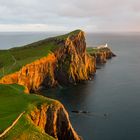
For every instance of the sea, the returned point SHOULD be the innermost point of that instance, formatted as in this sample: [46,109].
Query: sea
[111,101]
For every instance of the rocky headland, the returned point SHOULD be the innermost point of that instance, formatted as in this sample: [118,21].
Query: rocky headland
[67,61]
[101,53]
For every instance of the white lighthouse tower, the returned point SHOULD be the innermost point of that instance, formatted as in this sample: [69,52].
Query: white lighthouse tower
[106,45]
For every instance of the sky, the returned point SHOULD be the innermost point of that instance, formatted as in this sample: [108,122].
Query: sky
[66,15]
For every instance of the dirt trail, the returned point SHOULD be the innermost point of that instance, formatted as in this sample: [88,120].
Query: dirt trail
[12,125]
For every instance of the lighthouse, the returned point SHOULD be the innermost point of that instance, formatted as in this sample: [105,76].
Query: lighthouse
[106,45]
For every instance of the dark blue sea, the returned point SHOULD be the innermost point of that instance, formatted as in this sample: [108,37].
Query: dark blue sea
[112,99]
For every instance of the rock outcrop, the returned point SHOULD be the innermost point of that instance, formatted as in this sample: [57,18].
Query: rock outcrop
[54,120]
[68,64]
[102,54]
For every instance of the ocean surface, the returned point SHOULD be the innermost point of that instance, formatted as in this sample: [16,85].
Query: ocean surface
[112,98]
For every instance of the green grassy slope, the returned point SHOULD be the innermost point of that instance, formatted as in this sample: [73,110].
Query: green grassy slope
[96,50]
[13,101]
[13,59]
[91,50]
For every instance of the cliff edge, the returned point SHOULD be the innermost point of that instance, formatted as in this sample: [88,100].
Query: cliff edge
[101,53]
[67,63]
[28,116]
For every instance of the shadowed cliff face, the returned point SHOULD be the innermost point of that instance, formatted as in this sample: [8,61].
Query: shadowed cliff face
[74,64]
[54,120]
[67,64]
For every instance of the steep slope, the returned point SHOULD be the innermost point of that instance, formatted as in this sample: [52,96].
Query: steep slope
[66,63]
[44,119]
[101,53]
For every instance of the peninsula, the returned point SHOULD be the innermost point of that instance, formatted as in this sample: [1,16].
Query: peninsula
[48,63]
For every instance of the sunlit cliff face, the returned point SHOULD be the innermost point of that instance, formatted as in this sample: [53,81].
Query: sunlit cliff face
[54,120]
[66,65]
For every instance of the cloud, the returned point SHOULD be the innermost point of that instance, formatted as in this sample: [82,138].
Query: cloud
[91,15]
[31,27]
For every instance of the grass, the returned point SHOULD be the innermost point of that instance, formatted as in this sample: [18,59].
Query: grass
[14,101]
[13,59]
[24,130]
[63,37]
[92,50]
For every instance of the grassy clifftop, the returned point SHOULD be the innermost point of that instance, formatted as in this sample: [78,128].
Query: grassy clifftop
[13,101]
[13,59]
[42,118]
[101,53]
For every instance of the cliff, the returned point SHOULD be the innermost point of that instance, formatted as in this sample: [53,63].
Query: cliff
[43,118]
[101,54]
[54,120]
[67,63]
